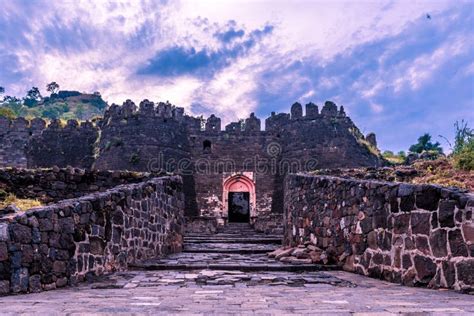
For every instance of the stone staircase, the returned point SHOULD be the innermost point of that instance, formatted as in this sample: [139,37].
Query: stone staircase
[234,247]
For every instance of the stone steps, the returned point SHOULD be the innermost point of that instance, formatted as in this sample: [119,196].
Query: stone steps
[234,267]
[235,247]
[233,241]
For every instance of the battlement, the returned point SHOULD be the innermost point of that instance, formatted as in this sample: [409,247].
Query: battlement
[146,109]
[213,124]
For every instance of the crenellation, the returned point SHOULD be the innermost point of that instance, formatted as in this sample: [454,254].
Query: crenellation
[296,111]
[329,109]
[213,124]
[147,108]
[252,124]
[312,110]
[160,137]
[275,122]
[234,127]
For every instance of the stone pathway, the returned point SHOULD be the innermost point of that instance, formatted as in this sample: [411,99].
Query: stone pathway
[229,274]
[143,292]
[235,247]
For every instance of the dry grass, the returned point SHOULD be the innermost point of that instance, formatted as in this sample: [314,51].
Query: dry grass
[22,204]
[443,172]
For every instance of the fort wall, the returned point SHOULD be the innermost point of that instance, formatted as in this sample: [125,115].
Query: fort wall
[160,137]
[416,235]
[75,240]
[55,184]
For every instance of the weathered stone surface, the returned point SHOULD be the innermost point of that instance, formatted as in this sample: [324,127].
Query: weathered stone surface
[35,284]
[3,251]
[4,287]
[42,252]
[456,243]
[401,223]
[446,213]
[20,233]
[468,231]
[422,245]
[427,197]
[425,268]
[20,280]
[413,236]
[438,242]
[466,272]
[420,223]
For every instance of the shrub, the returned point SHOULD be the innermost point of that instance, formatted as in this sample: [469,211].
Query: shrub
[464,158]
[7,112]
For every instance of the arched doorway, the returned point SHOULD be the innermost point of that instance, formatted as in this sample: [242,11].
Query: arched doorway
[239,198]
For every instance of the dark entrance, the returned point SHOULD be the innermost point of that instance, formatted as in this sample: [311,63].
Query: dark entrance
[239,207]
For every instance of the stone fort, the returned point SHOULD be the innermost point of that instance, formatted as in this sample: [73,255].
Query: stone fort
[148,182]
[240,163]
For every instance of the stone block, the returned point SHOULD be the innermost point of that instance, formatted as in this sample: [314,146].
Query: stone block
[465,272]
[401,223]
[457,244]
[20,280]
[422,244]
[427,197]
[3,251]
[468,231]
[425,269]
[4,287]
[4,236]
[35,284]
[439,242]
[20,233]
[420,223]
[406,261]
[446,213]
[407,203]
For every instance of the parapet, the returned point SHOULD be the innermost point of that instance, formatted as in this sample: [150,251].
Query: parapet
[329,109]
[312,110]
[234,127]
[252,124]
[146,109]
[296,111]
[276,121]
[213,124]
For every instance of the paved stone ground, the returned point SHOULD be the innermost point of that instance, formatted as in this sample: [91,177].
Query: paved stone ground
[140,293]
[228,274]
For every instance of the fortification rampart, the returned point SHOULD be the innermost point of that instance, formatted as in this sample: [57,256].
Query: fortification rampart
[55,184]
[74,240]
[417,235]
[155,137]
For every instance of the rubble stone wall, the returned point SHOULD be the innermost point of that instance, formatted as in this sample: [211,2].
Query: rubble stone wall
[55,184]
[419,235]
[77,239]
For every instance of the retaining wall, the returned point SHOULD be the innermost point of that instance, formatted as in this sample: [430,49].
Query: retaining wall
[55,184]
[73,240]
[419,235]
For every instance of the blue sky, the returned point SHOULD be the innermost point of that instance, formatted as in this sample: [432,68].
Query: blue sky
[400,68]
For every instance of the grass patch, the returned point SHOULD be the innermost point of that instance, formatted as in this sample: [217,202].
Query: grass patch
[22,204]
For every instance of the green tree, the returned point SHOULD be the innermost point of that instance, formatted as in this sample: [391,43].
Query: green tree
[14,104]
[52,87]
[425,144]
[33,96]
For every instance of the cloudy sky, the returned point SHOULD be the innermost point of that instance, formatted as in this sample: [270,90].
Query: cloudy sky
[400,68]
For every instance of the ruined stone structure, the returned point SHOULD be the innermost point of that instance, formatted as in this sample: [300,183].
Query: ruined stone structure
[419,235]
[76,239]
[231,174]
